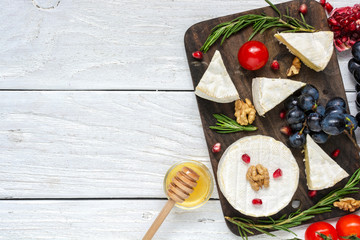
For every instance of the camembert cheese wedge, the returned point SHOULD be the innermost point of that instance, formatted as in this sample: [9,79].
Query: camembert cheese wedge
[273,155]
[321,171]
[216,84]
[269,92]
[313,49]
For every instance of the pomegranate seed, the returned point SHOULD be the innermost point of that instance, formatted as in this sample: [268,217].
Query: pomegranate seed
[286,130]
[245,158]
[257,201]
[216,148]
[332,21]
[303,8]
[328,7]
[197,55]
[312,193]
[277,173]
[275,65]
[322,2]
[282,114]
[335,153]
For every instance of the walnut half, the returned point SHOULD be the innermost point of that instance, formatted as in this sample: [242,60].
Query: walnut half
[347,204]
[295,67]
[258,176]
[244,112]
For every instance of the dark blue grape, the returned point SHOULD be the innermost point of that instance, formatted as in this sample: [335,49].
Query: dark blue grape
[319,137]
[352,65]
[320,110]
[355,50]
[336,101]
[297,140]
[295,115]
[335,109]
[333,124]
[313,122]
[290,102]
[306,131]
[310,90]
[357,75]
[357,117]
[350,122]
[306,102]
[296,126]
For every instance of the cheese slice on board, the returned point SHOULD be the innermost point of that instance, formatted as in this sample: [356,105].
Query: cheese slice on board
[273,155]
[269,92]
[313,49]
[216,84]
[321,171]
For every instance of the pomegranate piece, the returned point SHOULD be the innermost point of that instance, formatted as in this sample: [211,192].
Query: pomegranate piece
[328,7]
[286,130]
[335,153]
[312,193]
[275,65]
[277,173]
[197,55]
[245,158]
[282,114]
[303,8]
[345,23]
[257,201]
[216,148]
[322,2]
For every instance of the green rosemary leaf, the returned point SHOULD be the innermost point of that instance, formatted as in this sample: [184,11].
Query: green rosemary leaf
[274,7]
[225,124]
[303,19]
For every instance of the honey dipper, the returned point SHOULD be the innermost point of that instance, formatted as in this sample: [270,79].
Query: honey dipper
[179,189]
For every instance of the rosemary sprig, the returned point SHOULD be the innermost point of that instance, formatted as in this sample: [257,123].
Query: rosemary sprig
[228,125]
[260,23]
[284,223]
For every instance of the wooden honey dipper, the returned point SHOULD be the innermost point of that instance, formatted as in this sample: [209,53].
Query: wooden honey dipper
[179,189]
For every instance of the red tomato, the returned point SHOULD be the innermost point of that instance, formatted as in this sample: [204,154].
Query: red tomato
[348,225]
[321,227]
[253,55]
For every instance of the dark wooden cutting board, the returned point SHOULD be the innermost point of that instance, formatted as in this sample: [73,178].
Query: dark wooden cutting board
[328,82]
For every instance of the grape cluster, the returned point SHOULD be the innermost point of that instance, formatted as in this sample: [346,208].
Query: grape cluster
[305,116]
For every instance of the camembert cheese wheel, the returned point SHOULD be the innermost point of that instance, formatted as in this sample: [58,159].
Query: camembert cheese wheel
[269,92]
[273,155]
[313,49]
[321,170]
[216,84]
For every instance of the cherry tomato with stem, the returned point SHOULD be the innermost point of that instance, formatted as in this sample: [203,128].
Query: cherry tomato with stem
[253,55]
[348,225]
[325,228]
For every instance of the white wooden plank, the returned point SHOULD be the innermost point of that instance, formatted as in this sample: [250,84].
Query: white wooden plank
[100,44]
[96,144]
[115,219]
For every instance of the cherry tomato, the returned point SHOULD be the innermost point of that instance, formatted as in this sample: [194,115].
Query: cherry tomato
[253,55]
[348,225]
[321,227]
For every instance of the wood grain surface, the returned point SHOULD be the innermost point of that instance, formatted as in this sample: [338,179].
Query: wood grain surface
[328,82]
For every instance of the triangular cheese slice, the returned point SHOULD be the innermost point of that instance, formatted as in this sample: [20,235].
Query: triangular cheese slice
[269,92]
[321,171]
[216,84]
[313,49]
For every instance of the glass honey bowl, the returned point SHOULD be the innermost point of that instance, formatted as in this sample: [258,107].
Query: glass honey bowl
[202,190]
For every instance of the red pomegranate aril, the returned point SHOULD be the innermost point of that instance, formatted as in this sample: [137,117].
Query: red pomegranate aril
[257,201]
[286,130]
[332,21]
[277,173]
[282,114]
[312,193]
[216,148]
[197,55]
[335,153]
[275,65]
[322,2]
[303,8]
[245,158]
[328,7]
[352,26]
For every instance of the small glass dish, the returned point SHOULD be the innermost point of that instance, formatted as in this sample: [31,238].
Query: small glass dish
[203,189]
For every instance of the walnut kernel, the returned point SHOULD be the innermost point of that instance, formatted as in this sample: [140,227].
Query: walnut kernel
[244,112]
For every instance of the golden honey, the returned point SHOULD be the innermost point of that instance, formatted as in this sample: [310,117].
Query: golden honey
[203,189]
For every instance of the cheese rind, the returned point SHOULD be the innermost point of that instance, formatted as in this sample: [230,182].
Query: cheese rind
[216,84]
[272,154]
[321,170]
[313,49]
[269,92]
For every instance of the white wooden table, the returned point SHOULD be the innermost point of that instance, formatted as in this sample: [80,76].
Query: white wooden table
[96,104]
